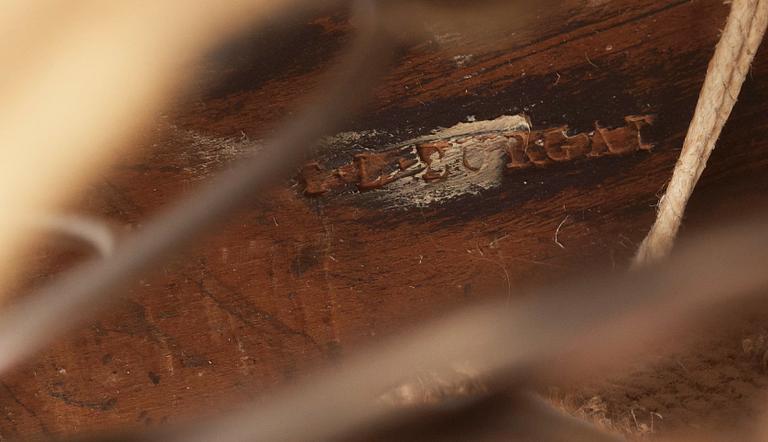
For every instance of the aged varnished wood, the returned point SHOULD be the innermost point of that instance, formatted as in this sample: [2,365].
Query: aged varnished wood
[306,274]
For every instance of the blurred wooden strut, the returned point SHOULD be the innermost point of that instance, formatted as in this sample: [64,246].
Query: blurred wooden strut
[33,322]
[80,78]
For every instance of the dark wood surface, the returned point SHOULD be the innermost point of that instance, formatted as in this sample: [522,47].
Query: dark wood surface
[297,281]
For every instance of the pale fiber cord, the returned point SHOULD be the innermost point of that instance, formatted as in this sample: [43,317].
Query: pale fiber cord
[727,71]
[45,314]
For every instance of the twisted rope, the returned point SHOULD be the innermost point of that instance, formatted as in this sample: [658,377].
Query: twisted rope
[727,70]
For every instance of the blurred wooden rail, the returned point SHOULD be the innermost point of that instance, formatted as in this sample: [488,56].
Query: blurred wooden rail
[295,282]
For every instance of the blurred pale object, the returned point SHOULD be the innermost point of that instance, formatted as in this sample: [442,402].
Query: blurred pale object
[80,77]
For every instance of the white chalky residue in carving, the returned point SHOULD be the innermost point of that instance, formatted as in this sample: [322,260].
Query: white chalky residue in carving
[204,155]
[486,156]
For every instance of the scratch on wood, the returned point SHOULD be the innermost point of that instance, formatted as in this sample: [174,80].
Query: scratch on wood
[557,232]
[26,408]
[104,405]
[248,313]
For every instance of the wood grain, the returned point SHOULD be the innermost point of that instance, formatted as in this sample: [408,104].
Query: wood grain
[295,281]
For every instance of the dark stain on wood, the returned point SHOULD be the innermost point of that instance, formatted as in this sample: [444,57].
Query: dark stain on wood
[306,259]
[154,377]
